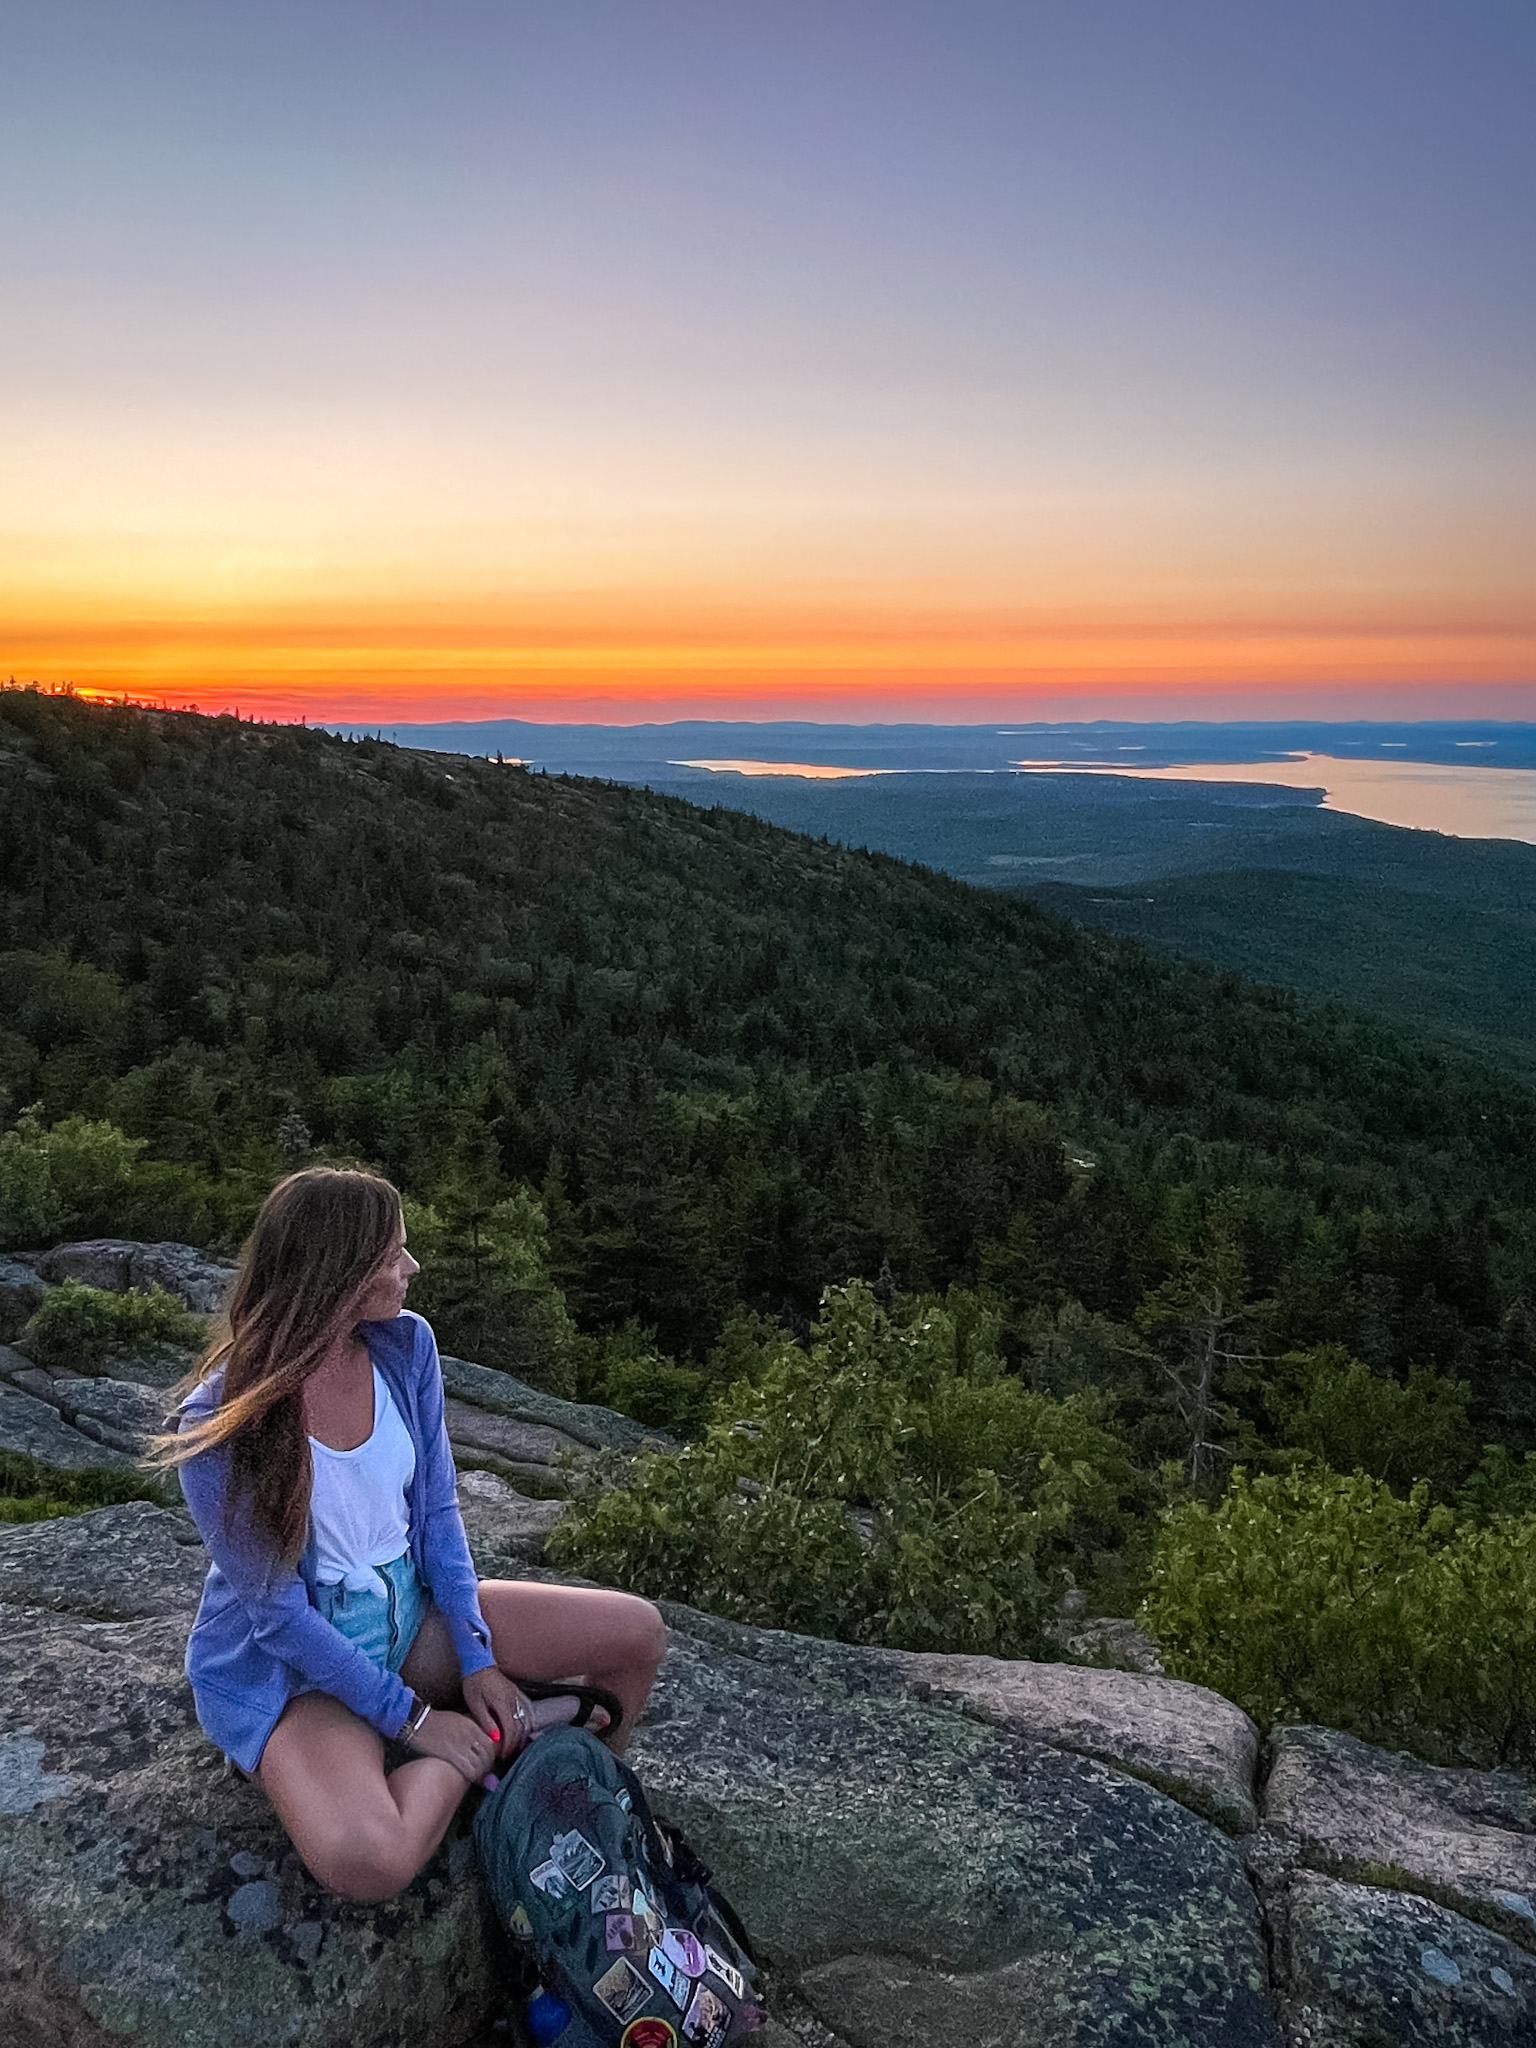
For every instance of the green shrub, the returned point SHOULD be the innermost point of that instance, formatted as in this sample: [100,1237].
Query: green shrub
[1501,1484]
[78,1326]
[31,1210]
[888,1485]
[84,1178]
[1308,1596]
[624,1369]
[1351,1419]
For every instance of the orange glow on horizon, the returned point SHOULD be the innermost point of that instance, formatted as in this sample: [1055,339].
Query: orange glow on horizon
[618,660]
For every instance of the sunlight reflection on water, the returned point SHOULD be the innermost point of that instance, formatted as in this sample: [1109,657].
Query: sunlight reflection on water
[813,771]
[1467,803]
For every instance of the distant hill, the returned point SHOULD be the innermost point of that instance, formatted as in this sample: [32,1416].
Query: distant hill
[739,1064]
[943,797]
[1445,957]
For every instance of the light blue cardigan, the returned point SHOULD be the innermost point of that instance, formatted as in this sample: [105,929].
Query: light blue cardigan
[258,1639]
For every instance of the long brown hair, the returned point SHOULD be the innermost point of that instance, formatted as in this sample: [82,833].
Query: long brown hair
[321,1236]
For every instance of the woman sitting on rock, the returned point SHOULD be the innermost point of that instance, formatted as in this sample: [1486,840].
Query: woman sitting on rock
[342,1608]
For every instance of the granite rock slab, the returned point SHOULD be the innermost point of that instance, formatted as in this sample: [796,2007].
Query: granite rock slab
[897,1862]
[116,1264]
[1371,1968]
[37,1430]
[1185,1740]
[1465,1838]
[21,1292]
[158,1899]
[522,1443]
[504,1526]
[114,1564]
[498,1393]
[120,1413]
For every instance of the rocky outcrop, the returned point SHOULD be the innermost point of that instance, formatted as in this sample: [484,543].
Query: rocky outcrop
[496,1423]
[118,1415]
[1188,1741]
[1364,1966]
[118,1564]
[39,1429]
[925,1848]
[1465,1838]
[115,1264]
[583,1426]
[956,1848]
[21,1291]
[506,1529]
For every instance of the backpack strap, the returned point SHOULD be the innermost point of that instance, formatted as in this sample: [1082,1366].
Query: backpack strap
[674,1852]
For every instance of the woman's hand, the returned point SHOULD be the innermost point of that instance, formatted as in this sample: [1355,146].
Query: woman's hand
[455,1739]
[499,1708]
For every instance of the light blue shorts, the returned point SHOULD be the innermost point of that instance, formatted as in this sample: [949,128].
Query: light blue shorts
[383,1624]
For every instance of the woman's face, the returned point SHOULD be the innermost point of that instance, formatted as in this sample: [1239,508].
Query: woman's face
[384,1296]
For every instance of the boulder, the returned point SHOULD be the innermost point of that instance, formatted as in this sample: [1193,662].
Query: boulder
[527,1450]
[498,1393]
[117,1413]
[20,1293]
[38,1430]
[96,1262]
[1465,1838]
[203,1283]
[1394,1971]
[1186,1741]
[116,1264]
[912,1874]
[115,1564]
[161,1366]
[505,1528]
[1036,1896]
[157,1898]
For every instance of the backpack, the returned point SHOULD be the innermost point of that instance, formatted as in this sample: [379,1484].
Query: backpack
[632,1945]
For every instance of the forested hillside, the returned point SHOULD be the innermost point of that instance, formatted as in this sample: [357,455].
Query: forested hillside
[734,1066]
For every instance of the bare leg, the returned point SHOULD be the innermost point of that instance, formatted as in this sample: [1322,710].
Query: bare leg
[362,1834]
[576,1632]
[366,1835]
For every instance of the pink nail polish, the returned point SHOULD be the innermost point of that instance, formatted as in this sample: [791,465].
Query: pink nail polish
[495,1734]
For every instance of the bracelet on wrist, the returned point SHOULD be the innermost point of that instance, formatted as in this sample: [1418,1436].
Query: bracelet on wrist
[414,1722]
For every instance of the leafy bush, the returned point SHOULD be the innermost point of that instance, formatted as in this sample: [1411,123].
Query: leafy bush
[624,1369]
[888,1485]
[78,1326]
[1353,1419]
[85,1178]
[30,1207]
[1308,1596]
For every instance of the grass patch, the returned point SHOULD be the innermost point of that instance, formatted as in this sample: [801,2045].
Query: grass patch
[31,1491]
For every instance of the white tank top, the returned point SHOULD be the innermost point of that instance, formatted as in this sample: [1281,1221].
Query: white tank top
[357,1508]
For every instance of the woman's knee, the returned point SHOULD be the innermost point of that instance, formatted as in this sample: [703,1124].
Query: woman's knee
[366,1861]
[639,1629]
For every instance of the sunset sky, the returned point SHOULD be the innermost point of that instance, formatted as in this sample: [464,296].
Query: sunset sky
[627,359]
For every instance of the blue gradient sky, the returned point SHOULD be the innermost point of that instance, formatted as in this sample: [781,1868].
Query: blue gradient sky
[919,358]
